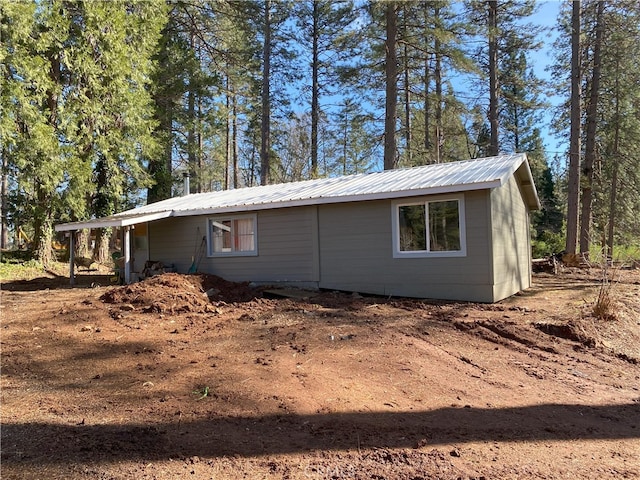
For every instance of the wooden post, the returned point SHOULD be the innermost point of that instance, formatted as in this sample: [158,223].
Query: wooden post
[72,258]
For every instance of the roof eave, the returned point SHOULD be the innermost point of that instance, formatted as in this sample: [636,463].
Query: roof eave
[113,221]
[529,186]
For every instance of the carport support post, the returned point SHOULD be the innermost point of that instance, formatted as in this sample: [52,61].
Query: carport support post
[127,254]
[72,258]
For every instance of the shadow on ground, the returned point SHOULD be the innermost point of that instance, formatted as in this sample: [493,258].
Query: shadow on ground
[84,280]
[280,434]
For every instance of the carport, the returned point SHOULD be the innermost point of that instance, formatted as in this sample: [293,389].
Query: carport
[126,222]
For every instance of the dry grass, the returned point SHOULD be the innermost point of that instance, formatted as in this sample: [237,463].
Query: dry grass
[604,307]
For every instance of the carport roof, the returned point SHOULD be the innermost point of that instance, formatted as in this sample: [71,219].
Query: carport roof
[478,174]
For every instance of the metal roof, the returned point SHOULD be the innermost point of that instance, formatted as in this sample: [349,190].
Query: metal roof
[483,173]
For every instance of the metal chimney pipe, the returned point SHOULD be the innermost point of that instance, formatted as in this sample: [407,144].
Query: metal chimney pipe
[185,177]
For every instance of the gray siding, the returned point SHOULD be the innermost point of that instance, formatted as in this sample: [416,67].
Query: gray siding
[287,247]
[511,244]
[174,241]
[356,254]
[349,247]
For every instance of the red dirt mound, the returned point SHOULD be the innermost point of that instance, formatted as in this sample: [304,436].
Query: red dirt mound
[175,293]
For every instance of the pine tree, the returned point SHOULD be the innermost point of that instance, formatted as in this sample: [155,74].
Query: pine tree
[609,170]
[591,130]
[616,163]
[391,82]
[326,36]
[522,106]
[573,192]
[505,35]
[277,59]
[169,85]
[431,55]
[355,143]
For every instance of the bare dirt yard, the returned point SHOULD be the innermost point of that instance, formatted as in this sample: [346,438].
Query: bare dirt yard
[193,377]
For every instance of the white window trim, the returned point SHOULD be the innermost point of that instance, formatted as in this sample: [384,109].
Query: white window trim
[395,227]
[232,253]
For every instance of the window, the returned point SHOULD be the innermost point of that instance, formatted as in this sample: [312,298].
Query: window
[232,236]
[429,228]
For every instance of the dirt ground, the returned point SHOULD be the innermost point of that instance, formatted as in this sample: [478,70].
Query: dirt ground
[193,377]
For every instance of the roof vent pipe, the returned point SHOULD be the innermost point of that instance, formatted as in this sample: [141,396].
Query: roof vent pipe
[185,177]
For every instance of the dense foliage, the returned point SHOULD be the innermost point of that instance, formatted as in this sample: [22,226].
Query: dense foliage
[106,104]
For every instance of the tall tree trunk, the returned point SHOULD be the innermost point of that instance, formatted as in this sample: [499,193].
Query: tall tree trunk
[612,205]
[408,129]
[427,103]
[227,155]
[315,93]
[200,186]
[43,228]
[103,205]
[437,77]
[493,76]
[590,141]
[427,108]
[408,133]
[191,136]
[254,157]
[4,192]
[101,248]
[265,144]
[345,136]
[43,222]
[81,242]
[234,142]
[391,76]
[616,166]
[573,192]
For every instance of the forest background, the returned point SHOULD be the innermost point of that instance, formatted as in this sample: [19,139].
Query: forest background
[105,105]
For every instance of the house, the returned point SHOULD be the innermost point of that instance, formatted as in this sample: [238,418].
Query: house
[457,231]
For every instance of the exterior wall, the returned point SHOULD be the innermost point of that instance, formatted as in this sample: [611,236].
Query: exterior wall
[349,247]
[139,247]
[287,247]
[511,243]
[356,254]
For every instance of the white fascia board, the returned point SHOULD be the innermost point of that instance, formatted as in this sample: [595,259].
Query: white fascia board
[113,221]
[531,187]
[338,199]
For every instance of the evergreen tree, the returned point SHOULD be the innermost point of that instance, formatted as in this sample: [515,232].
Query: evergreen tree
[546,222]
[438,57]
[611,167]
[31,122]
[591,128]
[78,77]
[566,75]
[616,163]
[391,82]
[109,108]
[326,38]
[354,137]
[522,107]
[506,37]
[277,59]
[169,85]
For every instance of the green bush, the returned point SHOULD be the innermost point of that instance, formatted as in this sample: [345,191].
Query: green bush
[547,244]
[16,256]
